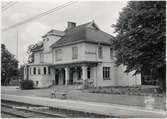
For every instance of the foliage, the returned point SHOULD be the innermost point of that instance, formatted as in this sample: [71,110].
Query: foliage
[27,84]
[30,53]
[9,68]
[141,36]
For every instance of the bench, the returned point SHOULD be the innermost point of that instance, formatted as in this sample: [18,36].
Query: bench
[56,93]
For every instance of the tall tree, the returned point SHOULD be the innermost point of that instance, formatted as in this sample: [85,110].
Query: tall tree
[30,54]
[141,37]
[9,68]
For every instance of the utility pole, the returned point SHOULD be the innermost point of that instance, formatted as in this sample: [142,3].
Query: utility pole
[17,38]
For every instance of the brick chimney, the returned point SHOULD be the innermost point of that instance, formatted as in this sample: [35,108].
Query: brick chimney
[71,25]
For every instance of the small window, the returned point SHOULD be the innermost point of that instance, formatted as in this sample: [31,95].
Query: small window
[111,53]
[39,70]
[100,52]
[58,54]
[34,70]
[48,70]
[74,52]
[88,73]
[44,70]
[30,70]
[47,39]
[106,73]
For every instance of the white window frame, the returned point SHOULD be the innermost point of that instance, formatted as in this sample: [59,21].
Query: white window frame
[34,70]
[106,73]
[100,52]
[74,52]
[58,54]
[111,53]
[45,72]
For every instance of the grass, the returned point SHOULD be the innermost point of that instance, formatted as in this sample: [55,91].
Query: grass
[128,90]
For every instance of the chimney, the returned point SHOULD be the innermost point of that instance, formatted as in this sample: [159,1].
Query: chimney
[71,25]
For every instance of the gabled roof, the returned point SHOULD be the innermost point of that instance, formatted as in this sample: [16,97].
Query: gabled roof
[54,32]
[88,32]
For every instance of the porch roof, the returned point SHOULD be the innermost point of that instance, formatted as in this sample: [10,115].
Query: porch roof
[40,64]
[76,64]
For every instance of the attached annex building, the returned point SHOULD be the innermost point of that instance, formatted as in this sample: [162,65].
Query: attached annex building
[78,54]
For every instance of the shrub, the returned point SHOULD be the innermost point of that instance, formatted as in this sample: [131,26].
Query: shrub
[27,84]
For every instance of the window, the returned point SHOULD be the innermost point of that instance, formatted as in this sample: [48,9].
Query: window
[34,70]
[41,57]
[44,70]
[111,53]
[39,70]
[100,52]
[58,53]
[48,70]
[106,73]
[74,52]
[30,70]
[88,73]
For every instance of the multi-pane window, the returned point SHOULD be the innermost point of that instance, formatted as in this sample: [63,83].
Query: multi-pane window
[74,52]
[34,70]
[111,53]
[88,72]
[106,73]
[58,53]
[48,70]
[100,52]
[44,70]
[39,70]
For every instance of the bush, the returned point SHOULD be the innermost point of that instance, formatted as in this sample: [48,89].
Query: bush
[27,84]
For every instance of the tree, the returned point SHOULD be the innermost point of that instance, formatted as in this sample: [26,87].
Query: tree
[9,68]
[141,37]
[30,53]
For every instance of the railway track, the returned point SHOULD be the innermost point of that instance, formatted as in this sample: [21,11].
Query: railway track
[24,112]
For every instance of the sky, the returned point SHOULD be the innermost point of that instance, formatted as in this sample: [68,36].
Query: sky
[104,13]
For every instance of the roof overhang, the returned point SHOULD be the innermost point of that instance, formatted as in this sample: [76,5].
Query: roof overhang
[80,41]
[76,64]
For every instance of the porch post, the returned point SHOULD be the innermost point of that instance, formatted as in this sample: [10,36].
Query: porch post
[84,74]
[66,75]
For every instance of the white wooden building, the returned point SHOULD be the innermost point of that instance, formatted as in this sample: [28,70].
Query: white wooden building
[78,54]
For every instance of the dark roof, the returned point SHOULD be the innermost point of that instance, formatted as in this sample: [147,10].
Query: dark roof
[88,32]
[54,32]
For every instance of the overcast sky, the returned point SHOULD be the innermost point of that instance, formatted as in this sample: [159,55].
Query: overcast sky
[104,13]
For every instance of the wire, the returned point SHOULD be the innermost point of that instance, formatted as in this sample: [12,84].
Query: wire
[40,15]
[8,6]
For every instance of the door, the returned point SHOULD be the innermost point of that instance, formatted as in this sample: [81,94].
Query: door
[56,77]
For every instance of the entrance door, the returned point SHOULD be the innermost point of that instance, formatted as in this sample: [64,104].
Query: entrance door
[56,77]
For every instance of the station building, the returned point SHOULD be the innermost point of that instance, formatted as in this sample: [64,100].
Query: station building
[76,55]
